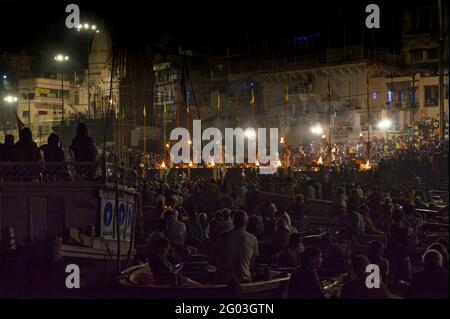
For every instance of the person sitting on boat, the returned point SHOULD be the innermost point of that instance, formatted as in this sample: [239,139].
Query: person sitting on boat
[305,283]
[25,150]
[177,234]
[235,252]
[356,287]
[397,244]
[297,212]
[155,236]
[281,235]
[223,222]
[443,251]
[375,254]
[369,227]
[163,270]
[7,149]
[432,282]
[290,256]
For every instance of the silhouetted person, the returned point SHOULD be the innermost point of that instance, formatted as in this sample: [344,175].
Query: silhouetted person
[235,252]
[25,150]
[356,286]
[432,282]
[52,150]
[305,283]
[83,146]
[6,150]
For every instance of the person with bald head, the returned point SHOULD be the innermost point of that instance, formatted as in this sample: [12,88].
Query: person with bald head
[235,252]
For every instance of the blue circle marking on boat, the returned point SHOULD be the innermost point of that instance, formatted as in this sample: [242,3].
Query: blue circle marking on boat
[108,214]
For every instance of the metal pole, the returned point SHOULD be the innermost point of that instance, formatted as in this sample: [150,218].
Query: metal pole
[368,118]
[329,121]
[441,77]
[412,108]
[62,98]
[29,111]
[87,80]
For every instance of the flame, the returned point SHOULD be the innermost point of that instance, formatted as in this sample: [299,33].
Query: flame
[190,164]
[282,140]
[189,142]
[323,136]
[320,161]
[368,165]
[279,163]
[212,162]
[257,163]
[167,145]
[163,165]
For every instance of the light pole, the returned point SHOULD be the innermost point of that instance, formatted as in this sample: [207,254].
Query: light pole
[11,100]
[89,29]
[61,59]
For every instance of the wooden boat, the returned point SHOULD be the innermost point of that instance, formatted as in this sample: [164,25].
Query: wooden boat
[134,287]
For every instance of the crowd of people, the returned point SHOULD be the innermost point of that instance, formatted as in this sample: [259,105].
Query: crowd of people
[82,149]
[236,228]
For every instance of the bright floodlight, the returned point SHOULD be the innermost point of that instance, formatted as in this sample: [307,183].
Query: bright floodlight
[4,76]
[10,99]
[317,130]
[93,27]
[86,26]
[61,58]
[384,124]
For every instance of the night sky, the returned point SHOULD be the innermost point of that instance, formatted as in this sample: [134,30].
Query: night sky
[39,26]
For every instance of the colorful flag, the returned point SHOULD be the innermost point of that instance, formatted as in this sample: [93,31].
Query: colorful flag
[144,112]
[20,124]
[252,100]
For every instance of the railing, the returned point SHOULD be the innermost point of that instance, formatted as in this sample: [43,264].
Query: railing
[70,173]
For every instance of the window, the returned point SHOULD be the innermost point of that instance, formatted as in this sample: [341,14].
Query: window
[76,98]
[431,95]
[414,97]
[54,93]
[390,96]
[42,112]
[374,95]
[416,55]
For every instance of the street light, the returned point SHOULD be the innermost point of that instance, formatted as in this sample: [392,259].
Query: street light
[61,59]
[317,130]
[89,29]
[384,125]
[10,99]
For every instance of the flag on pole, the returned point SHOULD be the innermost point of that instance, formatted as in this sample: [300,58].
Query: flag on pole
[144,112]
[20,124]
[286,94]
[252,100]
